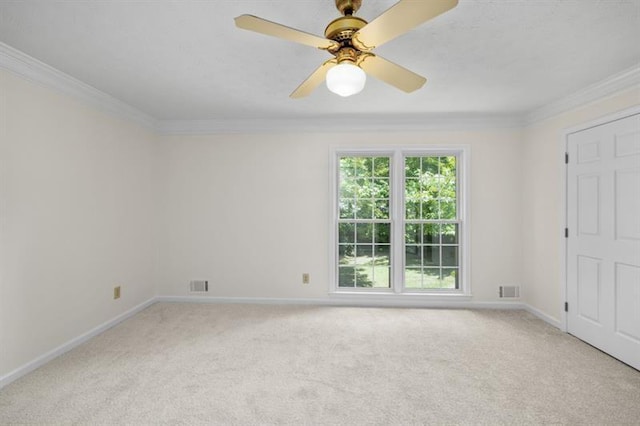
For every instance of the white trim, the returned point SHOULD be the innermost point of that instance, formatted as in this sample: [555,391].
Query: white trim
[544,317]
[38,72]
[54,353]
[366,300]
[564,150]
[610,86]
[564,146]
[372,124]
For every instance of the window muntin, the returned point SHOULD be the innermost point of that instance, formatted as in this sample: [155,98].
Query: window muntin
[364,222]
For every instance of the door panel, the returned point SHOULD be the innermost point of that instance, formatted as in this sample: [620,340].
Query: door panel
[628,301]
[627,204]
[627,144]
[589,204]
[589,288]
[603,249]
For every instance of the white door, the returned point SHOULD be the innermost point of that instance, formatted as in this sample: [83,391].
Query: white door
[603,250]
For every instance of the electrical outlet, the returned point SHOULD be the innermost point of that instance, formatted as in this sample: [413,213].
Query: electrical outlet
[305,278]
[116,292]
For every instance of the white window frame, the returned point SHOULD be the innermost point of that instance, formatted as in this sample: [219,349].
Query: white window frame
[396,175]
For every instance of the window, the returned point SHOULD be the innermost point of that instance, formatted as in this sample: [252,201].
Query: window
[431,222]
[399,221]
[364,225]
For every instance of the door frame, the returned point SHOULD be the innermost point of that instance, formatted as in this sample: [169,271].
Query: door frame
[564,242]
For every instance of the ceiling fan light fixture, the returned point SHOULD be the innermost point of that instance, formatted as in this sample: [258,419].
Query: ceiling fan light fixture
[346,79]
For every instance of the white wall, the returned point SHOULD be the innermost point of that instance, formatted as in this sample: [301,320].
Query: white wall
[542,189]
[250,213]
[76,218]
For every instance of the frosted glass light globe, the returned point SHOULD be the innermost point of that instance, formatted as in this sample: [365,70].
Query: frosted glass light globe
[346,79]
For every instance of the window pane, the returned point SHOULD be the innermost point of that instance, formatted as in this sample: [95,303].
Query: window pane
[348,188]
[346,254]
[430,209]
[412,233]
[364,232]
[431,233]
[347,209]
[412,208]
[382,255]
[450,278]
[382,277]
[412,167]
[364,209]
[346,167]
[448,166]
[364,254]
[346,276]
[413,278]
[450,234]
[412,256]
[431,255]
[380,188]
[412,189]
[449,256]
[381,209]
[448,210]
[364,276]
[364,166]
[381,166]
[364,188]
[346,233]
[432,278]
[383,233]
[382,269]
[430,165]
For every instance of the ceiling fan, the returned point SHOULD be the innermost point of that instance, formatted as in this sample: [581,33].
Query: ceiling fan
[351,39]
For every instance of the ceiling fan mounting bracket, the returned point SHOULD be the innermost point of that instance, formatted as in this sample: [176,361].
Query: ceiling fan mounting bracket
[348,7]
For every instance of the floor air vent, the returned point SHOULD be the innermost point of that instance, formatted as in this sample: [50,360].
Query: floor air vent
[509,291]
[199,286]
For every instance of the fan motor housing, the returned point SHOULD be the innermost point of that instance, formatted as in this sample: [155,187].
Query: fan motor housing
[341,29]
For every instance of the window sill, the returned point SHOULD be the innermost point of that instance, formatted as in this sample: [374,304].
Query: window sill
[417,299]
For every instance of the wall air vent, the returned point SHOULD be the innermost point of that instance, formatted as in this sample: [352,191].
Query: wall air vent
[199,286]
[509,291]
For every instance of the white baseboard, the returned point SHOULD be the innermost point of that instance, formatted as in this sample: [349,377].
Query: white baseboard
[342,300]
[544,317]
[43,359]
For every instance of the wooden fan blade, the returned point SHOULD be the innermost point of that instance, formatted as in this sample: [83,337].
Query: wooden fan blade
[314,80]
[398,19]
[391,73]
[259,25]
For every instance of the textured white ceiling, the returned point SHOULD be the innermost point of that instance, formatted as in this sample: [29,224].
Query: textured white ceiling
[185,60]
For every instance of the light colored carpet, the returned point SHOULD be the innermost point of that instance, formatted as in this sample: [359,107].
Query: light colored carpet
[249,364]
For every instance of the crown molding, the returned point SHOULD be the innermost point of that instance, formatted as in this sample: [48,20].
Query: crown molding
[616,83]
[45,75]
[411,123]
